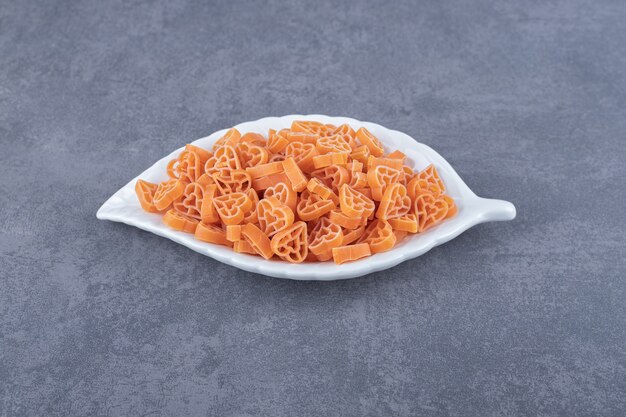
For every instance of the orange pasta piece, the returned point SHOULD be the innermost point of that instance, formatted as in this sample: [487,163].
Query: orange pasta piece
[354,204]
[366,191]
[334,158]
[317,187]
[304,137]
[432,176]
[225,158]
[358,180]
[145,194]
[294,173]
[311,206]
[397,155]
[277,142]
[251,137]
[366,138]
[230,137]
[303,153]
[264,170]
[352,235]
[452,208]
[212,234]
[208,214]
[395,202]
[322,257]
[378,178]
[379,236]
[243,246]
[361,154]
[427,181]
[347,222]
[334,144]
[400,235]
[167,192]
[250,154]
[257,239]
[349,253]
[407,176]
[251,215]
[274,216]
[232,181]
[233,232]
[202,154]
[406,223]
[291,244]
[306,126]
[373,162]
[205,180]
[327,130]
[179,221]
[283,193]
[430,210]
[324,236]
[355,166]
[189,164]
[191,202]
[277,157]
[264,183]
[348,134]
[232,207]
[333,176]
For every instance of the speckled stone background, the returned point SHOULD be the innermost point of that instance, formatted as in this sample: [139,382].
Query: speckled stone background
[526,99]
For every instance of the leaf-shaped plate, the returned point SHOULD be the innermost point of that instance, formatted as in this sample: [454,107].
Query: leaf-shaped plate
[124,207]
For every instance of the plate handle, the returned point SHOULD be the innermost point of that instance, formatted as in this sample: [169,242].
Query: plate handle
[497,210]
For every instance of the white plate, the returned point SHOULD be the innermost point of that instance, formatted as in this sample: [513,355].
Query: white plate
[124,207]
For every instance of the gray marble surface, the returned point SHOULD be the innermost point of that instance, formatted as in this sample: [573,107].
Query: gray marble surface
[526,99]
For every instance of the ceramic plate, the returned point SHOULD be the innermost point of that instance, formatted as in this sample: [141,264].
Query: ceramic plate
[124,207]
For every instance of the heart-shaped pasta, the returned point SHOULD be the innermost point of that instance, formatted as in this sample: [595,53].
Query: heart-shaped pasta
[379,236]
[355,204]
[395,202]
[233,207]
[145,193]
[291,243]
[430,210]
[283,193]
[312,206]
[167,192]
[274,216]
[191,202]
[324,236]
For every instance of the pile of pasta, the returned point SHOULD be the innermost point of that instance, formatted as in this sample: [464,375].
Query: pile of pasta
[313,192]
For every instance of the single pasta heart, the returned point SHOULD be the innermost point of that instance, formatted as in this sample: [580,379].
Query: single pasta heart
[379,236]
[380,177]
[251,155]
[284,194]
[232,208]
[395,202]
[324,236]
[225,158]
[191,202]
[273,216]
[354,204]
[430,210]
[290,244]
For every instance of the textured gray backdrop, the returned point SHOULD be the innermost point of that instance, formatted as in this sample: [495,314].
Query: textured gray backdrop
[526,99]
